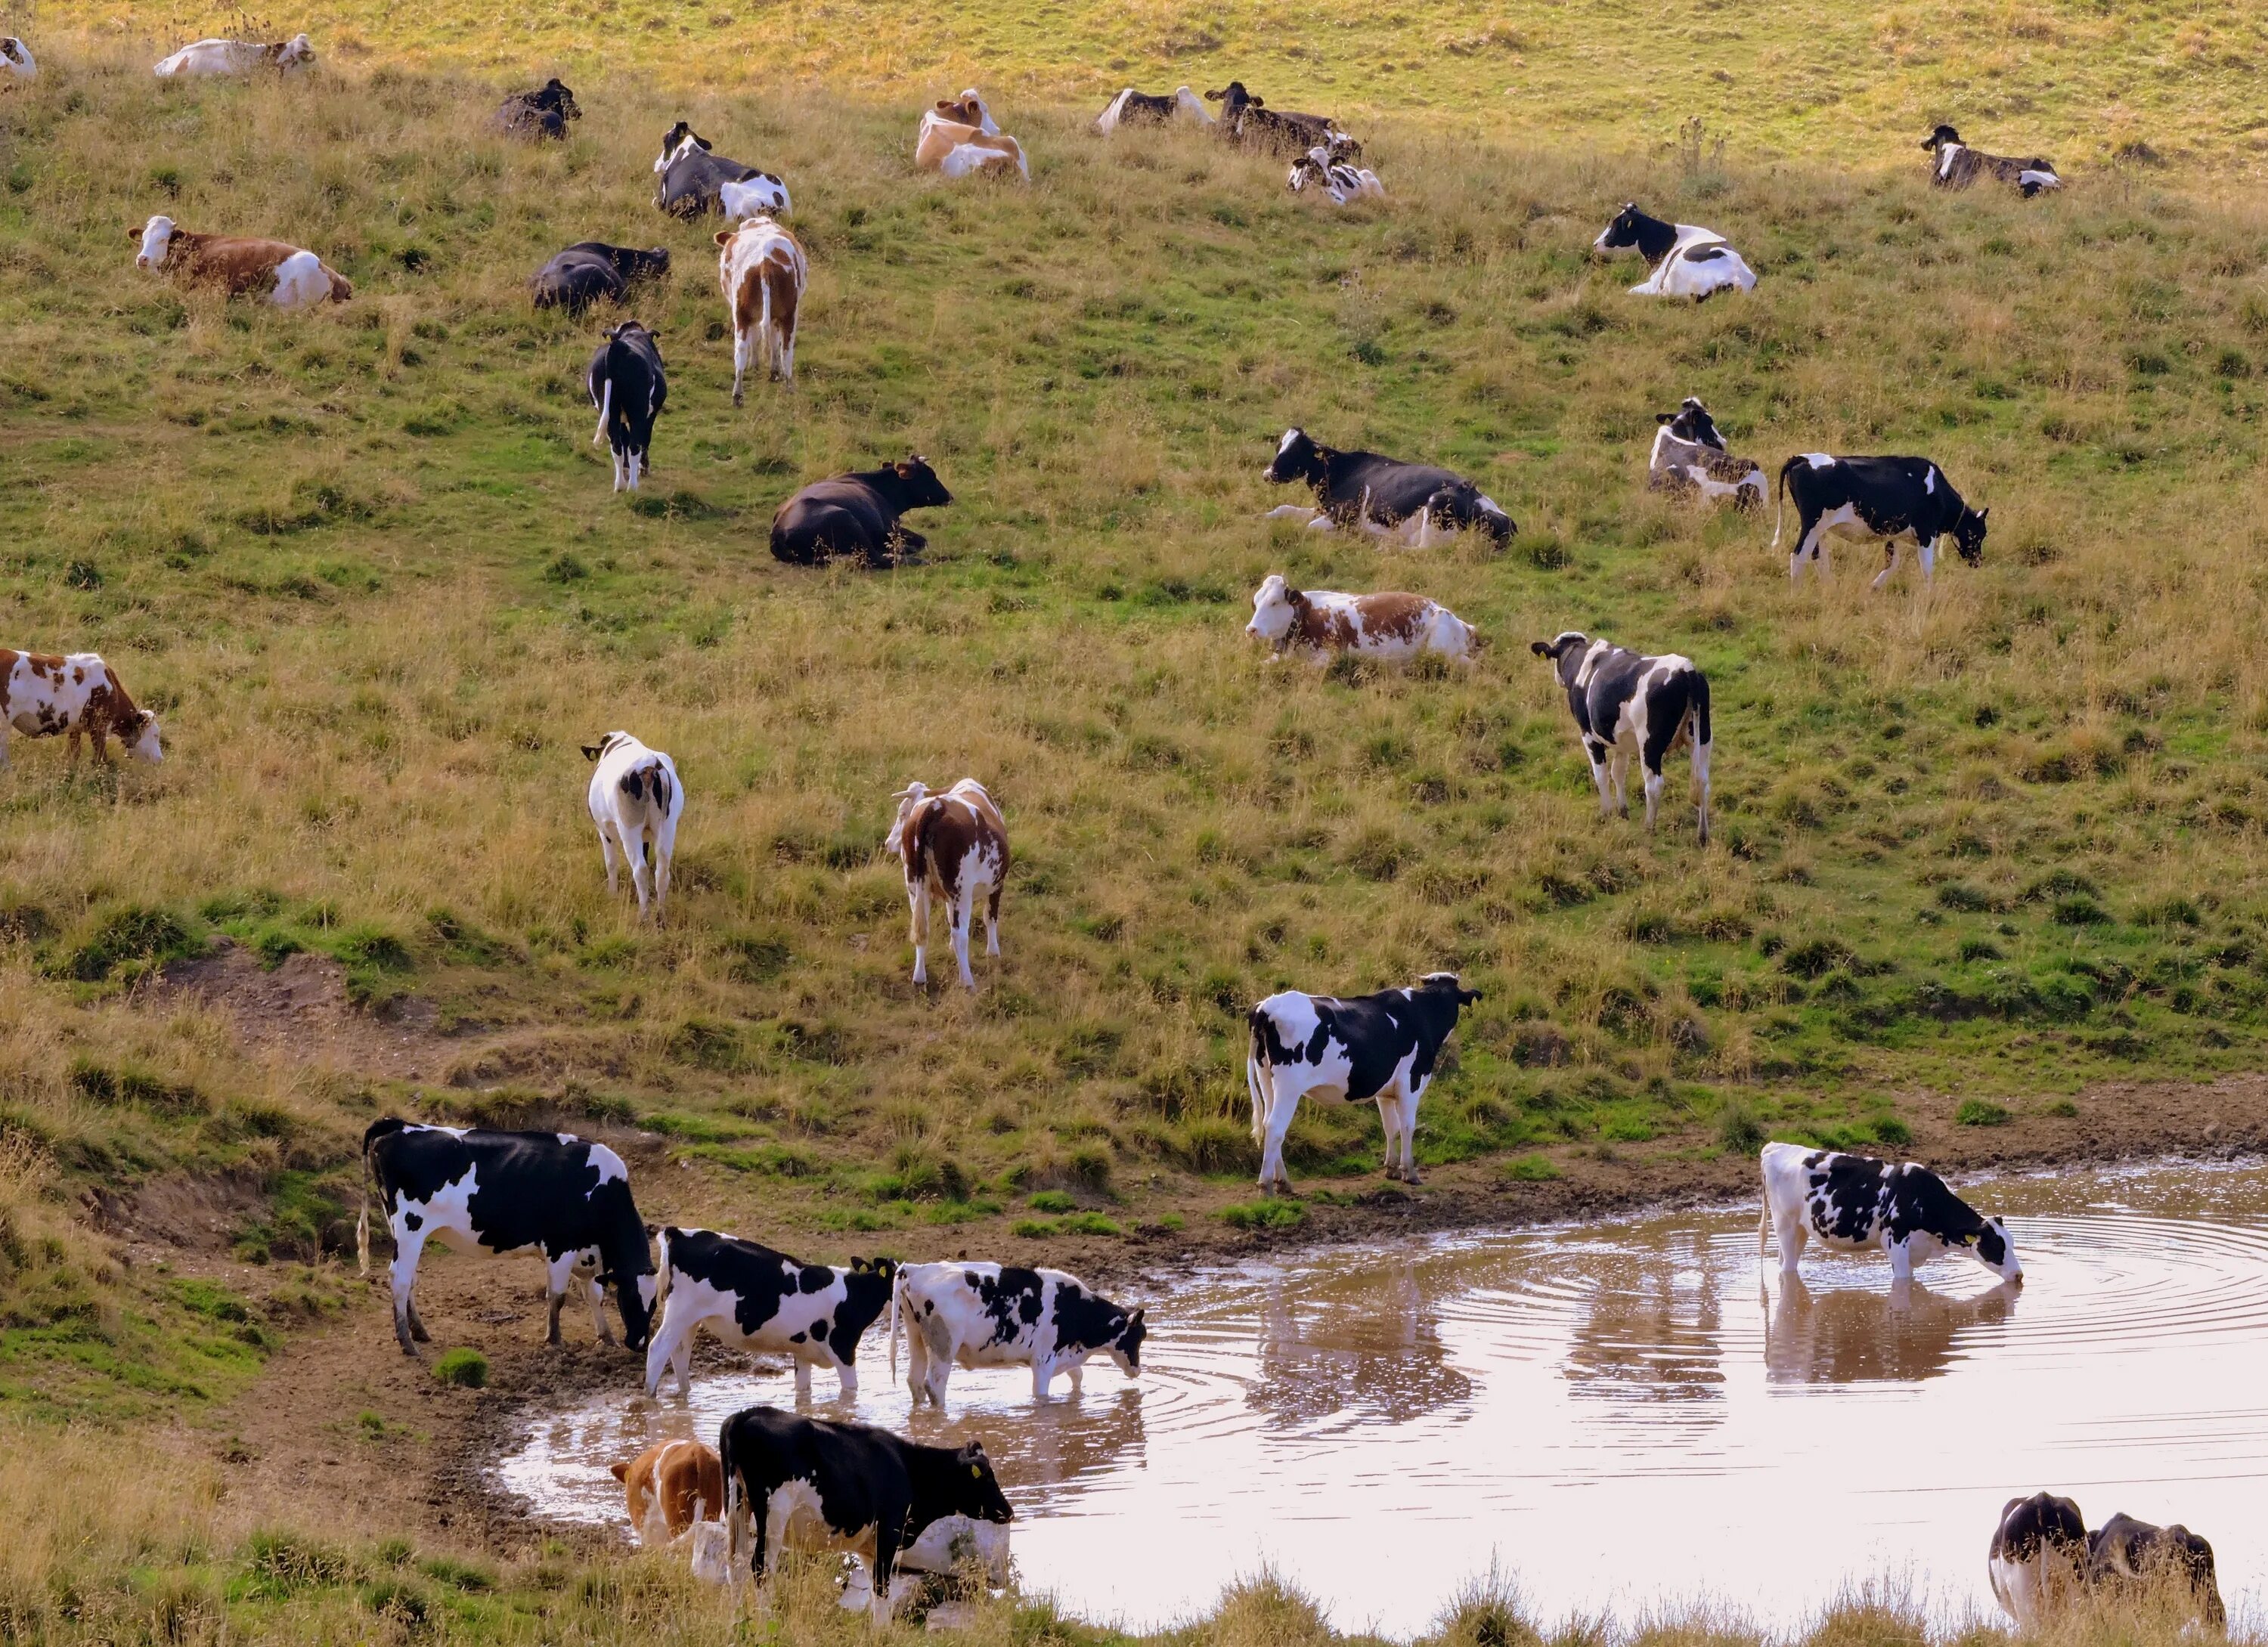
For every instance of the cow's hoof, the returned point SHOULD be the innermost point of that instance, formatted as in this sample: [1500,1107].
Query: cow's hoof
[1413,1179]
[419,1333]
[1392,1172]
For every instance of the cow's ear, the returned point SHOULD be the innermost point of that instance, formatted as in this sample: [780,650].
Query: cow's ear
[1981,514]
[1663,418]
[724,237]
[1136,1315]
[1542,648]
[591,751]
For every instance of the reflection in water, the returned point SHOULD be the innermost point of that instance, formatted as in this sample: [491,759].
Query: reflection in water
[1368,1352]
[1048,1443]
[1850,1335]
[1650,1331]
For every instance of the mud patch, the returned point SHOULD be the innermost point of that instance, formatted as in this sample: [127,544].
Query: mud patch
[301,1013]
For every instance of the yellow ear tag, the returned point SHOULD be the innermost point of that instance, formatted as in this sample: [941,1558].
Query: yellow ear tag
[977,1470]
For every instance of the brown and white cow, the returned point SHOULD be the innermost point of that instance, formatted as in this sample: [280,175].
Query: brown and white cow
[1322,623]
[954,847]
[41,694]
[669,1487]
[763,269]
[958,138]
[286,276]
[238,56]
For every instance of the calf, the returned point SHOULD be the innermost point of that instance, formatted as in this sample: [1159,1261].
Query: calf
[1855,1204]
[761,195]
[1957,165]
[763,270]
[636,801]
[929,1566]
[807,1484]
[755,1299]
[506,1191]
[1682,260]
[1323,623]
[1885,499]
[2038,1557]
[290,277]
[954,847]
[690,177]
[1130,108]
[2125,1553]
[1248,120]
[237,56]
[1689,461]
[41,694]
[859,514]
[1384,497]
[540,113]
[958,139]
[983,1315]
[1627,703]
[669,1487]
[16,60]
[592,271]
[1340,182]
[628,387]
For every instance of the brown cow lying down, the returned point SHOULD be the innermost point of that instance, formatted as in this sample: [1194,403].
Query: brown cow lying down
[958,138]
[1321,623]
[289,277]
[669,1487]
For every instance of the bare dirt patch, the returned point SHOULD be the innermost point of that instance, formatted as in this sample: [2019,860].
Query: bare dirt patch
[300,1013]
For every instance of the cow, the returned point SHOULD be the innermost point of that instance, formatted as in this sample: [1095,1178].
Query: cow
[1248,120]
[762,195]
[1383,497]
[763,269]
[953,847]
[592,271]
[1885,499]
[237,56]
[288,277]
[1855,1204]
[927,1567]
[1130,108]
[636,801]
[2038,1557]
[1682,260]
[669,1487]
[1339,181]
[1626,703]
[1954,165]
[859,514]
[755,1298]
[16,60]
[958,138]
[2126,1553]
[42,693]
[984,1315]
[628,387]
[1689,461]
[1323,623]
[809,1484]
[540,113]
[690,177]
[1380,1046]
[474,1189]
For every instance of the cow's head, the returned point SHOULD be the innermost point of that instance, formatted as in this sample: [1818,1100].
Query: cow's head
[885,1270]
[294,54]
[555,95]
[917,485]
[974,105]
[1633,231]
[140,736]
[1969,536]
[1125,1346]
[155,236]
[1233,96]
[1566,651]
[634,1296]
[1944,136]
[1996,1252]
[1692,423]
[650,264]
[1276,607]
[976,1491]
[1297,458]
[1446,983]
[1311,167]
[677,141]
[591,751]
[1339,149]
[908,800]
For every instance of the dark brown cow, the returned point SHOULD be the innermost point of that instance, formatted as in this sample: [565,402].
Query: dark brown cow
[953,845]
[1248,120]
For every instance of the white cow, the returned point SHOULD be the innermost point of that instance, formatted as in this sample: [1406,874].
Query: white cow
[42,695]
[1682,260]
[760,195]
[981,1315]
[1322,623]
[945,1546]
[636,801]
[16,60]
[237,56]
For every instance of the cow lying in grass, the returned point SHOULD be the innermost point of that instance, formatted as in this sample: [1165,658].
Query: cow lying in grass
[669,1487]
[689,177]
[957,138]
[1682,260]
[1415,502]
[859,516]
[287,276]
[1339,180]
[1130,108]
[1689,461]
[592,271]
[16,60]
[1322,624]
[237,56]
[540,113]
[42,695]
[1954,165]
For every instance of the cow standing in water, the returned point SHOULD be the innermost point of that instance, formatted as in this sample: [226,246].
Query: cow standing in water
[990,1315]
[1855,1204]
[755,1298]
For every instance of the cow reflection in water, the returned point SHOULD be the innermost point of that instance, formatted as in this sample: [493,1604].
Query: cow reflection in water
[1856,1335]
[1047,1443]
[1368,1353]
[1654,1332]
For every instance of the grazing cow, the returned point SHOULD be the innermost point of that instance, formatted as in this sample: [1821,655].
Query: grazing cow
[636,801]
[762,195]
[1884,499]
[859,515]
[809,1484]
[1853,1203]
[1384,497]
[1248,120]
[2123,1552]
[1957,165]
[669,1487]
[473,1188]
[1682,259]
[755,1299]
[542,112]
[954,847]
[1380,1046]
[1130,108]
[41,694]
[983,1315]
[1626,703]
[763,270]
[2038,1557]
[628,387]
[959,139]
[691,176]
[238,56]
[1339,181]
[1689,461]
[592,271]
[16,60]
[290,277]
[1323,623]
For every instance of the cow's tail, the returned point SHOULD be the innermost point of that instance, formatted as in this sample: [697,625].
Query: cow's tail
[607,410]
[731,1508]
[1700,713]
[897,1307]
[661,1279]
[917,839]
[1252,1082]
[1779,498]
[385,1128]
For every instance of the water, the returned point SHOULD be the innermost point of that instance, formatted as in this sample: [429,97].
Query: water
[1611,1414]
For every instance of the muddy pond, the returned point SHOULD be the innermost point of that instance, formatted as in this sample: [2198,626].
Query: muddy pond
[1623,1416]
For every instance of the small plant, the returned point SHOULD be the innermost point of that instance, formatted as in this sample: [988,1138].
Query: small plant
[1889,1129]
[2063,1109]
[1979,1112]
[1051,1201]
[467,1369]
[1738,1130]
[1531,1169]
[1264,1215]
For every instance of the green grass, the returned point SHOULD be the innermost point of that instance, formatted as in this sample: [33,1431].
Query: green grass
[462,1366]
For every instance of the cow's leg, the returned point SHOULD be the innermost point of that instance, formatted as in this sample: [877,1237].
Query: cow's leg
[802,1379]
[408,1244]
[597,1294]
[1595,752]
[886,1567]
[681,1364]
[1889,564]
[672,1341]
[992,919]
[917,898]
[665,850]
[1618,768]
[787,356]
[607,854]
[1389,1121]
[1408,1106]
[917,1365]
[71,744]
[1077,1371]
[1043,1374]
[847,1376]
[739,361]
[962,912]
[1901,1260]
[1928,552]
[1654,786]
[1282,1106]
[1810,540]
[1789,1231]
[558,1276]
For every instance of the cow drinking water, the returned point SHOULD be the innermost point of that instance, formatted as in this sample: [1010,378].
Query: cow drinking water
[987,1315]
[1855,1204]
[752,1297]
[1628,703]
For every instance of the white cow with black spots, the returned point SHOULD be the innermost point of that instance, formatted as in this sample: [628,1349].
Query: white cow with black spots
[986,1315]
[1628,703]
[636,801]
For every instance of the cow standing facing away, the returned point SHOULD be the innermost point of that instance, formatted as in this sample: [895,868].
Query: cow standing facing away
[1954,165]
[1682,260]
[984,1315]
[290,277]
[1323,623]
[763,269]
[954,847]
[669,1487]
[1385,497]
[1629,703]
[1855,1204]
[1884,500]
[636,801]
[859,515]
[237,56]
[42,695]
[2038,1557]
[629,388]
[1689,461]
[752,1297]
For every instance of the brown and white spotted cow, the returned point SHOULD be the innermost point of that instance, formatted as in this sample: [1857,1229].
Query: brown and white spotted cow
[763,269]
[1322,622]
[288,277]
[669,1487]
[959,138]
[954,847]
[41,694]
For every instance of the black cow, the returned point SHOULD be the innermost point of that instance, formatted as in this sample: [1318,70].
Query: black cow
[628,388]
[1380,1046]
[592,271]
[2123,1552]
[2038,1556]
[690,178]
[857,515]
[1130,108]
[1957,165]
[1884,499]
[1248,120]
[755,1299]
[503,1192]
[543,113]
[1382,495]
[1689,461]
[809,1484]
[1855,1204]
[1626,703]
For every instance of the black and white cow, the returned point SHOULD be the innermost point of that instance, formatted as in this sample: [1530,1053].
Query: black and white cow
[1130,108]
[1341,182]
[809,1484]
[1689,461]
[628,387]
[755,1299]
[1248,120]
[1855,1204]
[858,516]
[1382,495]
[988,1315]
[2038,1556]
[1626,703]
[542,112]
[1682,260]
[1380,1046]
[690,178]
[503,1192]
[2123,1552]
[1954,165]
[1886,500]
[592,271]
